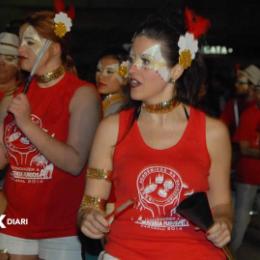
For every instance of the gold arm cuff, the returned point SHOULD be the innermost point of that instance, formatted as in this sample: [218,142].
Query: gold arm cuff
[93,203]
[95,173]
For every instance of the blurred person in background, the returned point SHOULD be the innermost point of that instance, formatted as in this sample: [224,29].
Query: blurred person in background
[109,80]
[248,167]
[243,97]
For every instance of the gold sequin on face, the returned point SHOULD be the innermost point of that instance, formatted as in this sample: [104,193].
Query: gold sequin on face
[151,59]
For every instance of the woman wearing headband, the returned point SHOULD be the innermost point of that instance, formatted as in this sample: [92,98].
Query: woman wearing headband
[46,143]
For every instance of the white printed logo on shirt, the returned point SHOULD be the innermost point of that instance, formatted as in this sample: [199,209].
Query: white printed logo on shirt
[29,165]
[159,191]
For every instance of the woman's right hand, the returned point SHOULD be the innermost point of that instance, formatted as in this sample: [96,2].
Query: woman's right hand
[93,223]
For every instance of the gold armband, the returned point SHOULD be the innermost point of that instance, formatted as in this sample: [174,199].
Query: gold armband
[93,203]
[99,174]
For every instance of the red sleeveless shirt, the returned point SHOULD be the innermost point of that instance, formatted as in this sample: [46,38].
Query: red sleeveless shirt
[159,180]
[46,196]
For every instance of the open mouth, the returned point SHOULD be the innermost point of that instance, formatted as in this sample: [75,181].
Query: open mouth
[134,83]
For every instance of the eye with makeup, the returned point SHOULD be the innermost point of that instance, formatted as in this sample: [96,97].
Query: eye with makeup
[110,71]
[29,42]
[146,61]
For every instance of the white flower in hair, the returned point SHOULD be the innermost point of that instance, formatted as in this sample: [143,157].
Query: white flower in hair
[63,24]
[188,47]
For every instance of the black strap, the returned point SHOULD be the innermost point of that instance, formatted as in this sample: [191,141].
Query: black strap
[186,112]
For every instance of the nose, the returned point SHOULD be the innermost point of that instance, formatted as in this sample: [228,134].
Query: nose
[133,68]
[21,50]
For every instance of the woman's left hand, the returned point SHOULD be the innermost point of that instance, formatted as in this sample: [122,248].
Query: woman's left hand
[220,233]
[20,108]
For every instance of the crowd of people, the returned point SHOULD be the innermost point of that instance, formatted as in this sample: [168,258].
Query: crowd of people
[114,160]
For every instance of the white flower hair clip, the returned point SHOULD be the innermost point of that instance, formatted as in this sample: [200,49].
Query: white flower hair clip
[63,24]
[188,46]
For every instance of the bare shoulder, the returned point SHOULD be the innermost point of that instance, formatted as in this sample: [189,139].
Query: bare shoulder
[85,96]
[215,129]
[86,92]
[217,138]
[108,129]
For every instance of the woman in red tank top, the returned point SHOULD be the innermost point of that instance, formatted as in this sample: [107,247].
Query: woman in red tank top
[158,153]
[46,140]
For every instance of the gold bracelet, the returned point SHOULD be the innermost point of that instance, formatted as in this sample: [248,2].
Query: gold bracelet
[95,173]
[93,203]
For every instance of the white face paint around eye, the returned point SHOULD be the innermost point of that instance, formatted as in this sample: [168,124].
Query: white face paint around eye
[9,59]
[107,70]
[31,39]
[152,59]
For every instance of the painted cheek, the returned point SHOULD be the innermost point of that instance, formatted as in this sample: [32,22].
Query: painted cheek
[35,48]
[32,40]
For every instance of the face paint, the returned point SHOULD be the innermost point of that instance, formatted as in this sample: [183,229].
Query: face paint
[31,39]
[109,70]
[9,59]
[152,59]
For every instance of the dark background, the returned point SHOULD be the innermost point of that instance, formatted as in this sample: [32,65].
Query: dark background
[101,23]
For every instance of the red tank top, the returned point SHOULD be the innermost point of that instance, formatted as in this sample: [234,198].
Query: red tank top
[159,180]
[45,196]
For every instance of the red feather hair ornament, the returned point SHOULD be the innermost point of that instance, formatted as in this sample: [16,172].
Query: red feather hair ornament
[197,25]
[59,6]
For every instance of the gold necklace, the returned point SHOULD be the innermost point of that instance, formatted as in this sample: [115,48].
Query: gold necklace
[162,107]
[111,99]
[46,78]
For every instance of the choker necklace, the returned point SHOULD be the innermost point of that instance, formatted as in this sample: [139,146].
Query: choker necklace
[163,107]
[111,99]
[46,78]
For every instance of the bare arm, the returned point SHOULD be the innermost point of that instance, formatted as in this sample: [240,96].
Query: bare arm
[93,223]
[84,118]
[219,193]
